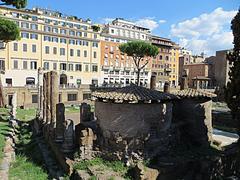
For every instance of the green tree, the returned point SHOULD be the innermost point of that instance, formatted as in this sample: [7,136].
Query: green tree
[140,51]
[16,3]
[232,91]
[9,31]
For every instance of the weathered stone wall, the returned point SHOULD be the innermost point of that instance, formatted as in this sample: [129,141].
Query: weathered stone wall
[130,120]
[133,130]
[193,118]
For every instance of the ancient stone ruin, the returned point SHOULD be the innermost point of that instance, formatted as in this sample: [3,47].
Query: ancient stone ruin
[130,124]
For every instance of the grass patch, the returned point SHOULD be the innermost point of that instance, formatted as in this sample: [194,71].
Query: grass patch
[72,109]
[26,114]
[116,166]
[29,162]
[3,131]
[23,169]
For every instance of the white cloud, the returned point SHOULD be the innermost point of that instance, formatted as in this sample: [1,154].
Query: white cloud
[207,32]
[162,21]
[148,22]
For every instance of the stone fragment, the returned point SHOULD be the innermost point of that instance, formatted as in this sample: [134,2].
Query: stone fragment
[145,173]
[68,143]
[85,112]
[60,120]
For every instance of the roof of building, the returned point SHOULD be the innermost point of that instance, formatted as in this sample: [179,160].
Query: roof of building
[194,93]
[132,94]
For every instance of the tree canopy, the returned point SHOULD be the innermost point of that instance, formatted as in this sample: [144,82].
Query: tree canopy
[232,92]
[9,31]
[16,3]
[139,51]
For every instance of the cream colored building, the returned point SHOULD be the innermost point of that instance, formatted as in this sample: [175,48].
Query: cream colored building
[118,68]
[52,41]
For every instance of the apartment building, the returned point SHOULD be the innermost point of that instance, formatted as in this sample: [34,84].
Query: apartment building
[165,65]
[52,41]
[117,68]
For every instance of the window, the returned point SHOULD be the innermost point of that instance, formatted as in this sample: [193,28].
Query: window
[85,34]
[70,67]
[25,25]
[85,53]
[55,39]
[47,28]
[63,66]
[62,40]
[95,36]
[94,54]
[112,31]
[9,81]
[72,33]
[34,26]
[55,30]
[94,82]
[54,66]
[94,68]
[86,68]
[72,97]
[30,81]
[15,46]
[160,57]
[62,51]
[78,42]
[25,64]
[2,65]
[34,18]
[46,65]
[54,50]
[33,65]
[79,81]
[79,34]
[85,43]
[34,98]
[34,36]
[25,47]
[78,67]
[71,52]
[47,38]
[46,49]
[15,64]
[63,31]
[95,44]
[25,35]
[34,48]
[167,58]
[78,53]
[86,96]
[72,41]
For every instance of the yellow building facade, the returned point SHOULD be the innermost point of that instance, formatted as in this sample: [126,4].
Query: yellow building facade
[52,41]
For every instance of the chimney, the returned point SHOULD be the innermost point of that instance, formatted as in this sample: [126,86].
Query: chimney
[166,88]
[153,82]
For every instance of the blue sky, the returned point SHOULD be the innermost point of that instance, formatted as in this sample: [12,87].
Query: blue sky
[195,24]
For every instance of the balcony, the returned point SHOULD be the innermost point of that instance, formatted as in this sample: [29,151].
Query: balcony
[105,67]
[117,68]
[127,68]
